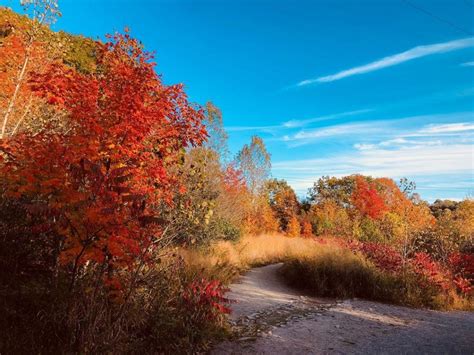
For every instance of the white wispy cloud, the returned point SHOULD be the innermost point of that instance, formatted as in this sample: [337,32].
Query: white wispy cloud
[251,128]
[429,135]
[364,146]
[413,53]
[467,64]
[307,136]
[427,152]
[403,141]
[416,160]
[448,128]
[388,131]
[297,123]
[337,130]
[394,141]
[302,123]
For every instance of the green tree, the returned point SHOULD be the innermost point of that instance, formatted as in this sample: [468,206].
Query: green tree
[335,189]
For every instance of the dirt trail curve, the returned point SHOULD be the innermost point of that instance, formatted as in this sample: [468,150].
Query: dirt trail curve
[272,318]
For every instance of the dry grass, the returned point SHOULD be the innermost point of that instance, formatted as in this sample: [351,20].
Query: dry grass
[323,269]
[268,249]
[225,260]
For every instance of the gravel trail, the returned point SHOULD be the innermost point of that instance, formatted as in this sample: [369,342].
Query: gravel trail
[271,318]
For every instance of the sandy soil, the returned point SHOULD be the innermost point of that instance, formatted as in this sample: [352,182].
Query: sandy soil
[271,318]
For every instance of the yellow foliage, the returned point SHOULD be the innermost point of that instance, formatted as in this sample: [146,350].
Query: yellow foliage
[294,228]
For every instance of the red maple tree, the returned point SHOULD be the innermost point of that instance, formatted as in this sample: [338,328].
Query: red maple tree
[98,183]
[367,200]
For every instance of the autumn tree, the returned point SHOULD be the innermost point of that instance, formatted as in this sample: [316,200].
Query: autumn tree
[23,54]
[306,229]
[367,200]
[407,187]
[194,202]
[438,207]
[235,200]
[464,216]
[210,202]
[283,201]
[405,217]
[330,219]
[253,161]
[98,186]
[293,228]
[338,190]
[453,231]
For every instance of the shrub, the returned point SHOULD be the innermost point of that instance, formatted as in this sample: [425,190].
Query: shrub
[369,230]
[383,256]
[376,272]
[173,309]
[185,314]
[335,272]
[225,230]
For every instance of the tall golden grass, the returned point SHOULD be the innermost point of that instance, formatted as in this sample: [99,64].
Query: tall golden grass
[224,260]
[323,269]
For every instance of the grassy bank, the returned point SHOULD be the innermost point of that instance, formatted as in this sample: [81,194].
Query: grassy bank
[329,269]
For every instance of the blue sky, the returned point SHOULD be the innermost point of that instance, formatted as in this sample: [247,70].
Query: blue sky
[334,87]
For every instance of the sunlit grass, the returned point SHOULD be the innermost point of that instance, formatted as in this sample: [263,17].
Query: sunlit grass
[322,269]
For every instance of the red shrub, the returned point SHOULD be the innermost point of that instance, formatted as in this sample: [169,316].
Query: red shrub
[424,265]
[383,256]
[206,299]
[463,285]
[462,263]
[462,267]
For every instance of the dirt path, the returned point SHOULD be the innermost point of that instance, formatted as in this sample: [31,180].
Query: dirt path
[271,318]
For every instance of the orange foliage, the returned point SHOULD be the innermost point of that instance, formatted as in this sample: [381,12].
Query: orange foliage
[418,216]
[294,228]
[98,185]
[234,181]
[367,199]
[19,59]
[306,229]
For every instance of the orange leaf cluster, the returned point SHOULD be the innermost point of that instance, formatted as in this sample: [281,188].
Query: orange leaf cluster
[367,200]
[98,184]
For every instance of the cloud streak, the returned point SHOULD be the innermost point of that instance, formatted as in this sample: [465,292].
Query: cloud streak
[297,123]
[416,160]
[302,123]
[385,128]
[448,128]
[308,136]
[396,59]
[441,152]
[413,161]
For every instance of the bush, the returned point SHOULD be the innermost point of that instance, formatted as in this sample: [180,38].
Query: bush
[225,230]
[369,230]
[332,271]
[172,309]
